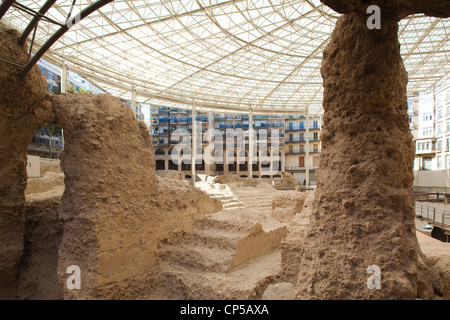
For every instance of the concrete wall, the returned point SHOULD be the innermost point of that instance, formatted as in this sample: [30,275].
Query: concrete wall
[53,165]
[33,167]
[432,179]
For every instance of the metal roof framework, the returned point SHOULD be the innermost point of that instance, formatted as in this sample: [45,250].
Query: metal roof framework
[222,55]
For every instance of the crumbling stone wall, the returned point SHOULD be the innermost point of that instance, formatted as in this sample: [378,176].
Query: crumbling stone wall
[362,213]
[107,210]
[23,106]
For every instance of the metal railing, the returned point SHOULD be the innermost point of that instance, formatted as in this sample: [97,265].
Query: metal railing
[437,216]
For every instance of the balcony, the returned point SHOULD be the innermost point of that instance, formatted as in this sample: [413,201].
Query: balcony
[294,168]
[294,129]
[295,152]
[291,140]
[154,122]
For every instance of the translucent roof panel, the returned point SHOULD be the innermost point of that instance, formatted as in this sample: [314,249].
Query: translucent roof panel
[227,54]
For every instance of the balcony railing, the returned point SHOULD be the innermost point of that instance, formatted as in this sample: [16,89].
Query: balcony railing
[294,129]
[295,140]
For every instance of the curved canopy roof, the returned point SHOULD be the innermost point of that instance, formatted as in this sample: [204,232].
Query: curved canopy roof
[220,54]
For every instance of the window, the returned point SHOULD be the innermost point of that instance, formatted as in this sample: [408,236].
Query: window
[439,113]
[426,163]
[439,145]
[447,144]
[51,75]
[42,70]
[448,126]
[448,110]
[316,124]
[316,136]
[439,162]
[447,161]
[439,128]
[419,146]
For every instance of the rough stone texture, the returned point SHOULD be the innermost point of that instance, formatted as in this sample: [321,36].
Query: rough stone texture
[107,207]
[280,291]
[296,234]
[287,182]
[396,9]
[436,260]
[287,205]
[171,174]
[362,213]
[38,277]
[23,106]
[48,181]
[114,208]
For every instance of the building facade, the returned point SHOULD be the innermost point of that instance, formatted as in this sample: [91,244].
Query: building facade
[280,143]
[432,138]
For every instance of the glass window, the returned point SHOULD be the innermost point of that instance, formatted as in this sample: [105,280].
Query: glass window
[427,163]
[51,75]
[439,162]
[42,70]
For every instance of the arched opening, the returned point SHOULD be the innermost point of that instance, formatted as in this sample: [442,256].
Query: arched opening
[160,165]
[160,152]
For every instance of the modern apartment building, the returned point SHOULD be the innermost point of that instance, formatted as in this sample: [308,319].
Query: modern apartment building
[432,138]
[280,143]
[303,145]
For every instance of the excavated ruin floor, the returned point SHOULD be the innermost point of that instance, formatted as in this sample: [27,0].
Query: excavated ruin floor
[230,254]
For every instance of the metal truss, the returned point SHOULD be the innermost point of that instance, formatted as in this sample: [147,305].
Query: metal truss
[221,54]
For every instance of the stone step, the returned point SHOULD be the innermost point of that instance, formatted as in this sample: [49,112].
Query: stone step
[198,257]
[216,238]
[233,204]
[245,283]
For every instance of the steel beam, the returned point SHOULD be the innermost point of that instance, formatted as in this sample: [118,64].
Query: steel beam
[58,34]
[4,7]
[33,23]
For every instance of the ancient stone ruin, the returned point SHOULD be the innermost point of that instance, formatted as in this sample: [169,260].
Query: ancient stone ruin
[127,229]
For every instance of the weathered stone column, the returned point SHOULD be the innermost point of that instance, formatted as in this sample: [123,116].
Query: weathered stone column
[108,206]
[362,212]
[23,106]
[362,220]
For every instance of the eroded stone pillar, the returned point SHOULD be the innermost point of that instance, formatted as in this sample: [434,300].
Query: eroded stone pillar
[111,221]
[23,106]
[362,213]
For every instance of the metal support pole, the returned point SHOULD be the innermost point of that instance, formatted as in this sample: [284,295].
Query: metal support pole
[307,149]
[33,23]
[58,34]
[6,4]
[64,78]
[194,141]
[63,90]
[250,142]
[133,100]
